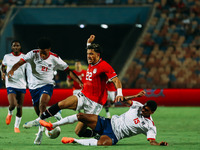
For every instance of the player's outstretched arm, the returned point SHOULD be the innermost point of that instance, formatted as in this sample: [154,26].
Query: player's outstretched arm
[69,82]
[118,86]
[3,72]
[127,99]
[153,142]
[75,77]
[15,67]
[140,94]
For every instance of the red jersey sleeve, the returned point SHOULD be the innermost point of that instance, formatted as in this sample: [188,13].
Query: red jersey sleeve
[109,71]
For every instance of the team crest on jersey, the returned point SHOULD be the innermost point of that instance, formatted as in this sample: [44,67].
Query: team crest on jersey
[95,70]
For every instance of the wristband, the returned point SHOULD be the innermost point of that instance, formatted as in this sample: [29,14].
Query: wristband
[88,44]
[119,92]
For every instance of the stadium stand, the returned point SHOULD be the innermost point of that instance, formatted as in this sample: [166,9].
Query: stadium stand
[168,56]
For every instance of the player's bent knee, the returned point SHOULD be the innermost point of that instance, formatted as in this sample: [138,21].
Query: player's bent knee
[104,141]
[80,116]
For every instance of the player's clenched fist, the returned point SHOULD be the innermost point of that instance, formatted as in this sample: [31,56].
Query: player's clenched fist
[91,39]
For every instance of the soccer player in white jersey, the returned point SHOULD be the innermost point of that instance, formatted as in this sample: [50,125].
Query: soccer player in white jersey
[137,120]
[42,64]
[16,86]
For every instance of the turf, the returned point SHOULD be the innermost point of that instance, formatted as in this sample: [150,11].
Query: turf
[179,126]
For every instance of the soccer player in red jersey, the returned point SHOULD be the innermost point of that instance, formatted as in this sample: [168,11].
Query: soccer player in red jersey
[80,73]
[94,93]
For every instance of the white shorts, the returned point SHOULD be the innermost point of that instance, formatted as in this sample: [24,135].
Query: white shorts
[89,106]
[76,91]
[111,95]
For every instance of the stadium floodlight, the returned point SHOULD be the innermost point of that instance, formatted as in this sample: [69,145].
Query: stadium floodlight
[104,26]
[138,25]
[82,26]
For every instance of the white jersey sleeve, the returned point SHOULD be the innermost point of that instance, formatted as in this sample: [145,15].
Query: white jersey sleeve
[28,56]
[151,133]
[61,65]
[136,104]
[4,61]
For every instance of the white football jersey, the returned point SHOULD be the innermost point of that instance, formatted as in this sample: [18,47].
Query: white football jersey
[40,71]
[18,80]
[132,123]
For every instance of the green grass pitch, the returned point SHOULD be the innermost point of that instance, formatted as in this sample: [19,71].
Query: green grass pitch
[179,126]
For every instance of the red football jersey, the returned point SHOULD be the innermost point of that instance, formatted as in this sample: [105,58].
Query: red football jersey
[95,84]
[81,76]
[111,86]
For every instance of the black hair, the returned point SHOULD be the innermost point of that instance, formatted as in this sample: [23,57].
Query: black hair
[44,43]
[95,47]
[15,41]
[151,104]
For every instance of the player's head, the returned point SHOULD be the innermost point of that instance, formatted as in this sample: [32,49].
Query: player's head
[78,66]
[16,46]
[93,53]
[149,108]
[44,44]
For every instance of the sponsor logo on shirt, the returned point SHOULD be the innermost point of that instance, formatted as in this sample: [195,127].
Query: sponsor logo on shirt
[45,91]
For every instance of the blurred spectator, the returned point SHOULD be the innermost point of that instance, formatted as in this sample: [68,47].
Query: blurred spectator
[57,81]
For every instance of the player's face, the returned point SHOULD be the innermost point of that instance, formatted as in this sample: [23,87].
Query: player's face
[77,66]
[44,53]
[16,47]
[92,56]
[146,111]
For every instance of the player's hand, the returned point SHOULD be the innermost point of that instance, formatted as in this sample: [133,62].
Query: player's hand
[163,143]
[81,85]
[119,98]
[91,39]
[3,76]
[10,73]
[142,93]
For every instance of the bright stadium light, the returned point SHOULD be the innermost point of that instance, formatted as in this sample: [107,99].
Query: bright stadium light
[138,25]
[82,26]
[105,26]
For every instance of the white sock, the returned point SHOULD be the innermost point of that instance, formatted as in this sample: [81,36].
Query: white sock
[41,129]
[108,114]
[67,120]
[17,121]
[38,119]
[87,142]
[10,112]
[58,116]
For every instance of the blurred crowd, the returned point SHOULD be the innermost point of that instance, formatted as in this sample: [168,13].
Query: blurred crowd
[169,54]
